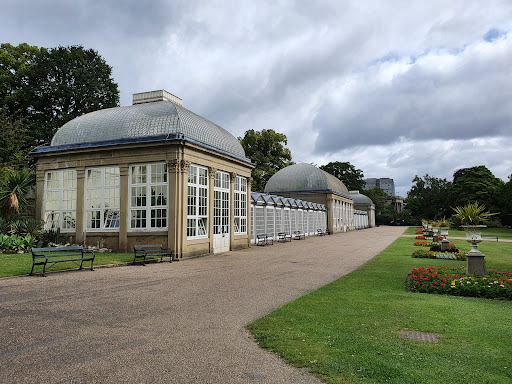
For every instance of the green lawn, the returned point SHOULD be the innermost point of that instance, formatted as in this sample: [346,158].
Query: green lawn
[21,264]
[502,233]
[348,330]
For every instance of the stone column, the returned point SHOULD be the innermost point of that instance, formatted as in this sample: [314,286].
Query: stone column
[232,178]
[124,207]
[211,204]
[330,210]
[173,174]
[40,187]
[80,205]
[182,207]
[249,210]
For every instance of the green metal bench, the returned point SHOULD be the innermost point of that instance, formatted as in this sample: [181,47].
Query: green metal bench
[49,256]
[143,251]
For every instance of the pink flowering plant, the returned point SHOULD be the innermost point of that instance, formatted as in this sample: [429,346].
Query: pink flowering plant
[454,281]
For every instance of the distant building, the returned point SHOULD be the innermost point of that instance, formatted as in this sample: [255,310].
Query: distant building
[387,184]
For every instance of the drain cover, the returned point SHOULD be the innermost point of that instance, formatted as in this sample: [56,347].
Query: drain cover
[426,337]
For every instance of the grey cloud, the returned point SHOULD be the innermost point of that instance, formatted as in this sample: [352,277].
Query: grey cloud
[470,99]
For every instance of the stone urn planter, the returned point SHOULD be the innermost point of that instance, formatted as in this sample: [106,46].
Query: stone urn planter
[445,244]
[472,216]
[475,258]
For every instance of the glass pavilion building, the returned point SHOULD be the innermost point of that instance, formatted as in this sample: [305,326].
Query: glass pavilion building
[153,172]
[157,173]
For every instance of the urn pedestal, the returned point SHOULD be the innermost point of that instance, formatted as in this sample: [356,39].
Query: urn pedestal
[475,259]
[445,244]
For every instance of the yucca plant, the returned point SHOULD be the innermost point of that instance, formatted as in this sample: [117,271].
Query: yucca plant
[472,214]
[444,222]
[14,186]
[32,227]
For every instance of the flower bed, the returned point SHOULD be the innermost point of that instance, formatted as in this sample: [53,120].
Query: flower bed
[424,254]
[422,237]
[455,281]
[424,243]
[431,243]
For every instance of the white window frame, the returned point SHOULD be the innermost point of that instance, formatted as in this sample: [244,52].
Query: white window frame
[145,184]
[197,202]
[240,216]
[64,198]
[109,214]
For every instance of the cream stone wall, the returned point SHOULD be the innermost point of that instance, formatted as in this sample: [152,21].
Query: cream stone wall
[178,157]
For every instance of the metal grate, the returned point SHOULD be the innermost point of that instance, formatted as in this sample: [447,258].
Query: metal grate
[425,337]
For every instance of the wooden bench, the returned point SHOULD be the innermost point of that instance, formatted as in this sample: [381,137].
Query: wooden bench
[264,239]
[145,250]
[52,255]
[298,235]
[283,237]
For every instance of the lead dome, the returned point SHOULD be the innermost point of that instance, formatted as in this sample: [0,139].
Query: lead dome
[303,177]
[155,116]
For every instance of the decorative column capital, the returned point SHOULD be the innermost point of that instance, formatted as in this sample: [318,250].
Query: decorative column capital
[211,172]
[232,177]
[184,165]
[173,165]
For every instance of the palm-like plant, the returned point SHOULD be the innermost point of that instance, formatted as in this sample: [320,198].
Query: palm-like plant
[472,214]
[14,187]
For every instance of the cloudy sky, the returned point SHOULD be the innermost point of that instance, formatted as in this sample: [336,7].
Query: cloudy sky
[397,88]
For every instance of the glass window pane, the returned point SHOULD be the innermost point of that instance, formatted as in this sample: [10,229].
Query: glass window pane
[69,179]
[139,174]
[52,180]
[192,174]
[112,176]
[94,177]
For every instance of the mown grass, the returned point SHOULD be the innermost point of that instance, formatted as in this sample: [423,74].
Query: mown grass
[21,264]
[502,233]
[348,330]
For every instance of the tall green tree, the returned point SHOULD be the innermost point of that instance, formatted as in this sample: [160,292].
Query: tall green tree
[428,197]
[49,87]
[476,184]
[505,202]
[347,173]
[378,197]
[13,143]
[267,150]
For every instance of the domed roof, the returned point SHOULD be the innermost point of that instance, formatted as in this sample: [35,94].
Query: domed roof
[360,199]
[304,177]
[149,121]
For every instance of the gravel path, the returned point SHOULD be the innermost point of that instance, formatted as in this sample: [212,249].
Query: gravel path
[169,323]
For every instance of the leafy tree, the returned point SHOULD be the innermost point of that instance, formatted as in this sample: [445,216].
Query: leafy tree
[49,87]
[267,151]
[477,184]
[427,198]
[378,196]
[16,63]
[347,173]
[504,201]
[13,143]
